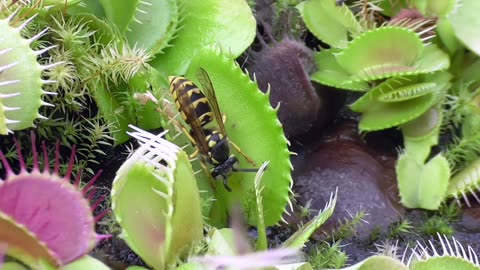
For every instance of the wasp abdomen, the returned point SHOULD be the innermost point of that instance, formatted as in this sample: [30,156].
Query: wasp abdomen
[181,87]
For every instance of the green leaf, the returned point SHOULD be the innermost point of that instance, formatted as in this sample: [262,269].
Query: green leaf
[465,181]
[382,115]
[437,263]
[408,92]
[378,262]
[293,266]
[466,22]
[379,115]
[222,242]
[422,185]
[88,6]
[390,8]
[390,51]
[86,262]
[447,35]
[262,243]
[453,256]
[424,125]
[330,23]
[156,201]
[300,237]
[114,113]
[13,266]
[23,245]
[228,24]
[381,51]
[191,266]
[435,8]
[161,16]
[120,13]
[330,73]
[118,105]
[252,124]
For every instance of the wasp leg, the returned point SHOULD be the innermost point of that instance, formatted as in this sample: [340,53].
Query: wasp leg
[247,158]
[210,178]
[194,154]
[225,184]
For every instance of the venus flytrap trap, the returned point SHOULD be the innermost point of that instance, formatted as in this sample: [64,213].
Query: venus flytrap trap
[227,24]
[378,54]
[252,124]
[45,220]
[156,201]
[451,255]
[136,19]
[399,100]
[20,77]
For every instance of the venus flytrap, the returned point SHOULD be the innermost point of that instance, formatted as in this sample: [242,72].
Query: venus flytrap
[45,221]
[252,124]
[451,255]
[156,201]
[404,77]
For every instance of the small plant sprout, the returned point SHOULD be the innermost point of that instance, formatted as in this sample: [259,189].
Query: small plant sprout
[20,77]
[328,255]
[156,201]
[300,237]
[43,217]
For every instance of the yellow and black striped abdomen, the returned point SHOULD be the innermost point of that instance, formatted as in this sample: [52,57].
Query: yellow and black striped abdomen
[186,93]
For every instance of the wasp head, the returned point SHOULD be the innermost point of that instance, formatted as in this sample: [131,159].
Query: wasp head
[222,171]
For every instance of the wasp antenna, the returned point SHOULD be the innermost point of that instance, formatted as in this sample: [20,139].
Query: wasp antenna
[245,170]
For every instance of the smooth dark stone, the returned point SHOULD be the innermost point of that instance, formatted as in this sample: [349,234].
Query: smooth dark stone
[365,181]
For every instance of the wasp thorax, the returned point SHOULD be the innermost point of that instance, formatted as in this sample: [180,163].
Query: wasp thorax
[219,148]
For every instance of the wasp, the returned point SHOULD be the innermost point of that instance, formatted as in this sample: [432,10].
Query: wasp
[199,109]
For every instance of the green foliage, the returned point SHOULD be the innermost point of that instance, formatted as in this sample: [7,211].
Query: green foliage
[328,255]
[229,25]
[332,24]
[464,21]
[348,227]
[405,81]
[301,236]
[378,262]
[450,211]
[86,262]
[400,228]
[437,225]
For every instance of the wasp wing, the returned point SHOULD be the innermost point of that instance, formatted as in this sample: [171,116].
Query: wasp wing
[209,92]
[196,130]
